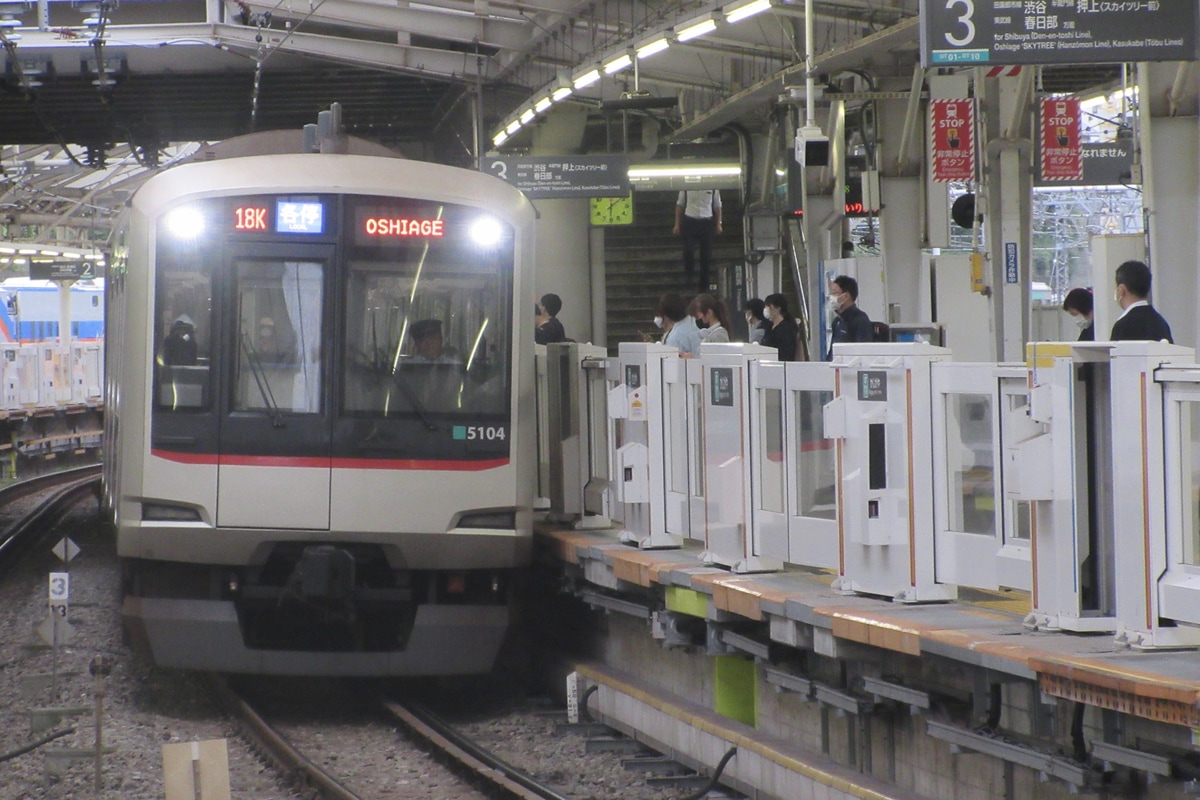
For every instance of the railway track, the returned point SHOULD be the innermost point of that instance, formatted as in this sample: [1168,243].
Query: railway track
[55,493]
[475,766]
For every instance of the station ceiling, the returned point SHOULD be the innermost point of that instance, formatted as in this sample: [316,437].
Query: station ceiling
[432,78]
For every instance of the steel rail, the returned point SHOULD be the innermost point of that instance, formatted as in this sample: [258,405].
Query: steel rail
[22,533]
[497,772]
[275,747]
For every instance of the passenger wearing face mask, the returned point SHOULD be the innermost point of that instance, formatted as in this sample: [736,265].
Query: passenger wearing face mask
[680,329]
[784,330]
[711,318]
[1078,304]
[850,323]
[1138,321]
[756,324]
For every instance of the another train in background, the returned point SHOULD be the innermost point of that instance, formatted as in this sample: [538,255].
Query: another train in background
[323,457]
[29,310]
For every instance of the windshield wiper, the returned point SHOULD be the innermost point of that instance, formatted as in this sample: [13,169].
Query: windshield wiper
[260,379]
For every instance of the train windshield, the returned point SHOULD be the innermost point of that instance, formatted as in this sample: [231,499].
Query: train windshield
[428,290]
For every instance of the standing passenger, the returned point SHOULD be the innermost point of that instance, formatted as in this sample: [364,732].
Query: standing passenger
[850,323]
[1138,321]
[712,319]
[697,221]
[784,329]
[756,324]
[1079,305]
[549,329]
[681,329]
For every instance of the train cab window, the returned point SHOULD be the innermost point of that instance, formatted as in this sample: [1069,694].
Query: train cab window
[183,321]
[278,362]
[428,321]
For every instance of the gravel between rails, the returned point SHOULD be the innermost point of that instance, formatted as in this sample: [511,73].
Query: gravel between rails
[146,707]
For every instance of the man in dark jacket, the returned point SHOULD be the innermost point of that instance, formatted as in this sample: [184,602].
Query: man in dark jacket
[1138,321]
[549,330]
[850,323]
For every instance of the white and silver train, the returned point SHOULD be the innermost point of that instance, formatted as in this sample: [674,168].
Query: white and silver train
[320,433]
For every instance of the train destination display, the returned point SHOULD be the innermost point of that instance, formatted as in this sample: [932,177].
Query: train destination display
[1057,31]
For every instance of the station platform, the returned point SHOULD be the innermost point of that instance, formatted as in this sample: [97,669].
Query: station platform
[1052,712]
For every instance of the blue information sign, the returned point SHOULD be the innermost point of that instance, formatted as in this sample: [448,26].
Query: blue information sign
[1011,273]
[1058,31]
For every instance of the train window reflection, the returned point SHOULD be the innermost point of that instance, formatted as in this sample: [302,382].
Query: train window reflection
[814,458]
[182,313]
[1189,439]
[774,491]
[428,336]
[279,336]
[971,465]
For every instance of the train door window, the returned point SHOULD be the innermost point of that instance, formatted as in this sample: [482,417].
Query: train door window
[183,326]
[278,362]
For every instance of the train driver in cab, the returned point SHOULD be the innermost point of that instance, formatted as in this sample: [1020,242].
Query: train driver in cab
[429,346]
[270,346]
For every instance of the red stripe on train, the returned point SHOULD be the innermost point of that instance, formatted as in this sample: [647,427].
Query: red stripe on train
[212,459]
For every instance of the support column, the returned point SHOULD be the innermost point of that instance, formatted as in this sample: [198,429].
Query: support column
[1005,107]
[1169,138]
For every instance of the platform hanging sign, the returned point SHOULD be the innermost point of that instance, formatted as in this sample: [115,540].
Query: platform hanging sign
[952,137]
[543,177]
[1058,31]
[1061,158]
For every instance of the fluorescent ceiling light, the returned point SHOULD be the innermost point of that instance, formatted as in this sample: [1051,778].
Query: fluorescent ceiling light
[26,252]
[685,171]
[500,138]
[653,46]
[617,64]
[737,13]
[587,79]
[49,253]
[542,105]
[695,28]
[8,250]
[527,116]
[513,127]
[561,93]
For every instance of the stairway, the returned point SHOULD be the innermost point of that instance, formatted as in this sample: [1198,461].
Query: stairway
[644,260]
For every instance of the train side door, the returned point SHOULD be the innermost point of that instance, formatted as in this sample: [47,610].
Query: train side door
[275,427]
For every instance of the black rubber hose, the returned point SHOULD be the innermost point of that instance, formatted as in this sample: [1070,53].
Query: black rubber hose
[50,737]
[716,776]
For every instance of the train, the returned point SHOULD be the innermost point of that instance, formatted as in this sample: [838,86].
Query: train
[320,437]
[29,310]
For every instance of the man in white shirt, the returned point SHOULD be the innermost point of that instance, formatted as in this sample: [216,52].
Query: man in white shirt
[697,222]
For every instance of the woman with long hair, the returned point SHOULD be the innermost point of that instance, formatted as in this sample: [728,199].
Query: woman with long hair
[784,328]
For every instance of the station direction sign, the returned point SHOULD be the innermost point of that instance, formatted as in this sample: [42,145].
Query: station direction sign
[62,270]
[1004,32]
[547,177]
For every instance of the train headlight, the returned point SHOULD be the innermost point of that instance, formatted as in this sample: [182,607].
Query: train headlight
[486,232]
[185,223]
